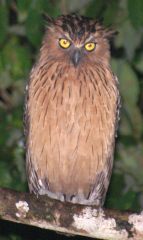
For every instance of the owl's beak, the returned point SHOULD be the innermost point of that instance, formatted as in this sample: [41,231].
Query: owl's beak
[76,56]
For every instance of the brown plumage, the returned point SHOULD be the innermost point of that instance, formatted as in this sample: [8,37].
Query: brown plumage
[71,113]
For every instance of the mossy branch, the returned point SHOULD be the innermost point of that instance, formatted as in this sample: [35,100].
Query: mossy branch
[67,218]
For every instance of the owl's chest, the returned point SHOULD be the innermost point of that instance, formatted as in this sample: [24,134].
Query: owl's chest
[78,94]
[77,101]
[71,97]
[74,98]
[71,111]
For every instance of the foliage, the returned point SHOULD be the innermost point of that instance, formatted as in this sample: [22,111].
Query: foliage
[21,30]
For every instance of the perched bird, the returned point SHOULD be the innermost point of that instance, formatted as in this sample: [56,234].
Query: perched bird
[71,112]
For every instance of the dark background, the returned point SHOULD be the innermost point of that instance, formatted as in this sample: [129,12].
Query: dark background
[21,29]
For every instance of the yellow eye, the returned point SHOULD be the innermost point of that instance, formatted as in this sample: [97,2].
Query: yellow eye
[90,46]
[64,43]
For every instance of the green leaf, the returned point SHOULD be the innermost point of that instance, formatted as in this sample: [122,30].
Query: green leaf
[3,21]
[4,128]
[33,26]
[52,9]
[114,192]
[23,6]
[127,200]
[135,9]
[94,8]
[5,176]
[111,12]
[138,63]
[128,81]
[129,38]
[34,21]
[116,198]
[15,59]
[129,89]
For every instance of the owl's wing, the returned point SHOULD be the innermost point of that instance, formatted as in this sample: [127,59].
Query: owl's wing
[118,108]
[98,193]
[30,171]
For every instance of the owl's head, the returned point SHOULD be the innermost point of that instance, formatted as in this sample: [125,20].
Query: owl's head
[75,40]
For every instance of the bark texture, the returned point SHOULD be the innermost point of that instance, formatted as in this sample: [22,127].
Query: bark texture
[69,218]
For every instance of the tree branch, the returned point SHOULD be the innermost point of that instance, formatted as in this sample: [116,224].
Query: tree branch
[69,218]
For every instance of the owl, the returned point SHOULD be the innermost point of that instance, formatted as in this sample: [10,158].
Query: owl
[71,112]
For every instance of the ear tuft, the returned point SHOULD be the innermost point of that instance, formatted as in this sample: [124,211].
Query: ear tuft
[110,33]
[49,20]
